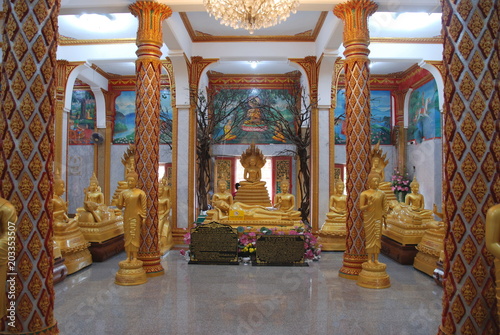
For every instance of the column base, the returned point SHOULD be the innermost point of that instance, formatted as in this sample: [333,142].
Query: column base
[152,266]
[130,273]
[352,266]
[60,270]
[373,276]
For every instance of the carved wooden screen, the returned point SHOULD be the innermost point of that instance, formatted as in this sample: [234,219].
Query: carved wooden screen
[224,170]
[282,168]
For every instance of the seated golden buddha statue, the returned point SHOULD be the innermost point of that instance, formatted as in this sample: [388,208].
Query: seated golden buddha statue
[253,190]
[97,222]
[285,201]
[164,209]
[332,234]
[67,234]
[408,222]
[379,162]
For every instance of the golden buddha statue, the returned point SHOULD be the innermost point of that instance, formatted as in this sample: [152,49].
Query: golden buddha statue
[333,233]
[374,205]
[128,161]
[227,211]
[67,234]
[379,162]
[133,200]
[285,201]
[493,243]
[253,190]
[97,222]
[408,221]
[8,218]
[164,208]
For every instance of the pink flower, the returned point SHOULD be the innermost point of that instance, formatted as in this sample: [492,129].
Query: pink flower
[309,254]
[252,234]
[183,252]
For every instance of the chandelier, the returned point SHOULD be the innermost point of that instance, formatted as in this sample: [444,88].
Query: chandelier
[251,14]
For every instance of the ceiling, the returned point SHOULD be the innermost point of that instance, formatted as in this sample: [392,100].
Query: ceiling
[399,40]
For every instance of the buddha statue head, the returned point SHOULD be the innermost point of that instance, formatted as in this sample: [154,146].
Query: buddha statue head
[94,183]
[221,186]
[285,185]
[339,187]
[414,185]
[373,180]
[132,179]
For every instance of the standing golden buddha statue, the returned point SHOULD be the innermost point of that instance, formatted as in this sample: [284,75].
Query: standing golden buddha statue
[333,233]
[67,234]
[133,200]
[164,209]
[374,205]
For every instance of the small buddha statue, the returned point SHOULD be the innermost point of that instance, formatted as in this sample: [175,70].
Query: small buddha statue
[492,238]
[338,207]
[285,201]
[221,202]
[67,234]
[164,208]
[8,218]
[373,203]
[415,201]
[333,232]
[97,221]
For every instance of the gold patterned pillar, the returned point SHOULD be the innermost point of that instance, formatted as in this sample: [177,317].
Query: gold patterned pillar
[399,129]
[27,132]
[147,132]
[355,15]
[471,149]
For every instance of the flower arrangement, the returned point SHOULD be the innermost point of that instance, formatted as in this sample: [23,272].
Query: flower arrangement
[400,182]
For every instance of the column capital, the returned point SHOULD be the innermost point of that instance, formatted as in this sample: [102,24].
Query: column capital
[151,15]
[355,15]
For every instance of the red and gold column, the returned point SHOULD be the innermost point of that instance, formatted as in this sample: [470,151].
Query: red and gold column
[27,132]
[355,15]
[471,150]
[148,70]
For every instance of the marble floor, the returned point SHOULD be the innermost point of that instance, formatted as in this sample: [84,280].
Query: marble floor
[245,299]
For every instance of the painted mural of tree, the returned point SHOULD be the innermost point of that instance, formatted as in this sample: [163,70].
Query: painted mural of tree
[289,113]
[219,113]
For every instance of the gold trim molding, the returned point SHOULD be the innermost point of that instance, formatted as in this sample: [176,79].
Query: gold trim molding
[406,40]
[306,36]
[63,40]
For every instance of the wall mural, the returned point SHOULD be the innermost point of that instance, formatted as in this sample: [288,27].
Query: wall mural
[380,104]
[81,117]
[253,130]
[424,118]
[124,130]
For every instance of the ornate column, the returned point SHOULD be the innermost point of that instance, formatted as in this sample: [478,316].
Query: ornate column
[355,15]
[399,129]
[147,139]
[471,150]
[27,132]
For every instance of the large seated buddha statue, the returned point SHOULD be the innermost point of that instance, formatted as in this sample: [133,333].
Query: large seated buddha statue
[67,234]
[333,233]
[408,222]
[97,222]
[253,190]
[379,162]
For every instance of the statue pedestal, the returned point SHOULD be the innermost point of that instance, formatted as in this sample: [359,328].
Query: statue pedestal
[429,250]
[99,232]
[101,251]
[403,254]
[253,195]
[75,260]
[332,235]
[405,230]
[130,273]
[373,276]
[60,270]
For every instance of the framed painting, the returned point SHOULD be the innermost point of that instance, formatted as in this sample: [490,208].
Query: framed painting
[424,118]
[82,117]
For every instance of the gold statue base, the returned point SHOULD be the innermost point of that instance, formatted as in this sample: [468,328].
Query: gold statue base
[429,250]
[253,195]
[77,260]
[373,275]
[99,232]
[332,236]
[404,233]
[130,273]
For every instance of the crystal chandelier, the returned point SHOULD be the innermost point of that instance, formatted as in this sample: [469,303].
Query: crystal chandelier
[251,14]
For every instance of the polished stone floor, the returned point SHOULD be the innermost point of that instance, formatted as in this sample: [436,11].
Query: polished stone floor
[245,299]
